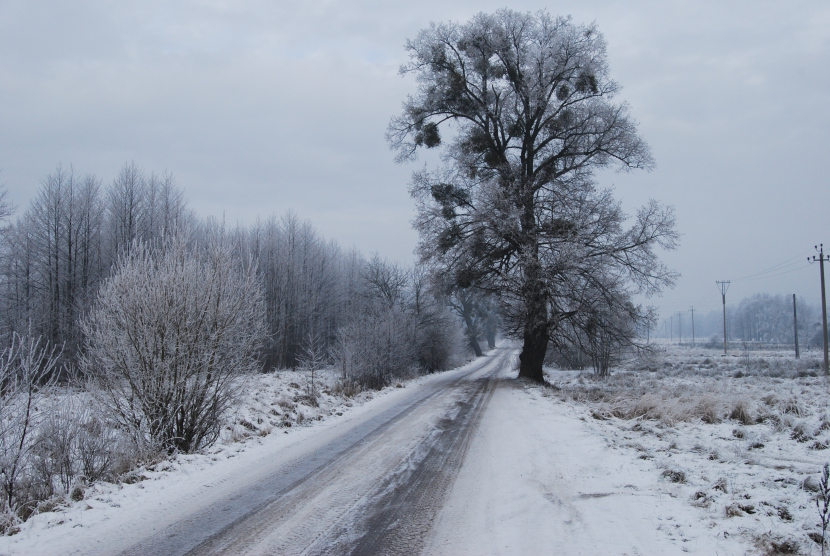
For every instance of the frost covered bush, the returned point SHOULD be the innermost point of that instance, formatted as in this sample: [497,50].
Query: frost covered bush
[396,330]
[52,439]
[169,336]
[376,347]
[27,371]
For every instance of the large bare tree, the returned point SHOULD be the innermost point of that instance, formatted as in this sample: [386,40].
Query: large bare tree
[532,115]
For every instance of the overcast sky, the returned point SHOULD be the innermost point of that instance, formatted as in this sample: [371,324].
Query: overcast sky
[258,107]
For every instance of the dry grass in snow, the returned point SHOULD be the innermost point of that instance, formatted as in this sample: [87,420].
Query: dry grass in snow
[744,435]
[284,399]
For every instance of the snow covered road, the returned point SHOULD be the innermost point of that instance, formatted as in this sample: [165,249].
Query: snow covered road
[376,494]
[470,461]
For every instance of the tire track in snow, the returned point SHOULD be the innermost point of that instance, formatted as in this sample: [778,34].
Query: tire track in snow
[399,521]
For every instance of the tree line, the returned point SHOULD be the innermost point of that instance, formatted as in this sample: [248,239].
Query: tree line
[59,251]
[761,318]
[128,324]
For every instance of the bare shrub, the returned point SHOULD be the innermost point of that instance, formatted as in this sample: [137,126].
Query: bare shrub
[720,485]
[733,510]
[346,388]
[312,359]
[27,372]
[792,406]
[800,433]
[170,335]
[75,445]
[379,347]
[707,410]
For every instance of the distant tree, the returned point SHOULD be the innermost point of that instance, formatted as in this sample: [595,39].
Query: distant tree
[312,359]
[469,304]
[6,206]
[515,210]
[52,264]
[169,338]
[301,277]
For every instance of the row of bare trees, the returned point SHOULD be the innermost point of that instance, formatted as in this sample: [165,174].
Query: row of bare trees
[761,318]
[58,252]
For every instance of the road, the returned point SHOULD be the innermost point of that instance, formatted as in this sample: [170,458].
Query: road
[375,487]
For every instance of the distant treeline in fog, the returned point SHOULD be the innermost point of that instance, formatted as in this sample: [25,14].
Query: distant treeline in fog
[761,318]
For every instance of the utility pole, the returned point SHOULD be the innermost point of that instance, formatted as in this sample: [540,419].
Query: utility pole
[679,328]
[693,325]
[795,326]
[723,285]
[671,339]
[821,259]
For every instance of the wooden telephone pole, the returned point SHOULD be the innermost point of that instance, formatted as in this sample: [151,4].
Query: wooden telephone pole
[693,326]
[821,259]
[795,326]
[723,285]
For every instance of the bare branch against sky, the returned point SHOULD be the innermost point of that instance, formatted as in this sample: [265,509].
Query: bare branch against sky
[258,107]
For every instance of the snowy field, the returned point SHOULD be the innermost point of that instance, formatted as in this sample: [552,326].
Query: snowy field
[741,437]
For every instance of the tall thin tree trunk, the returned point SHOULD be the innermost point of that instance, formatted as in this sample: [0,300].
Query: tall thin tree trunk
[472,335]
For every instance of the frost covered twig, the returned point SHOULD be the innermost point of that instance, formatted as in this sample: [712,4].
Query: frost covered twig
[823,504]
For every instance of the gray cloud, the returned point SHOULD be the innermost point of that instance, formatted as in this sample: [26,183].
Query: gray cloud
[257,107]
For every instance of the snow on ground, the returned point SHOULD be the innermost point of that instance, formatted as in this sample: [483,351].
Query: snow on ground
[686,451]
[275,412]
[741,438]
[540,478]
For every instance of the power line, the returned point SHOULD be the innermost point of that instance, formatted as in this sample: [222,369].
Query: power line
[796,259]
[773,275]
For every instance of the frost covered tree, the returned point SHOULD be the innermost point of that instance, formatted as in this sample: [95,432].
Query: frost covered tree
[170,335]
[515,209]
[54,256]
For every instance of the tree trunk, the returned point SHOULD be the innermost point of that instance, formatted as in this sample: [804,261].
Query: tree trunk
[536,321]
[533,352]
[472,332]
[491,328]
[476,346]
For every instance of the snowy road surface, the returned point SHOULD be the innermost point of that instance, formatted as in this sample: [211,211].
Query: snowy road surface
[470,461]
